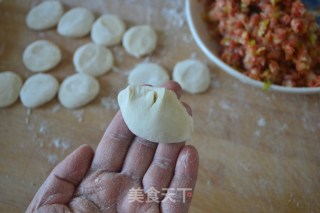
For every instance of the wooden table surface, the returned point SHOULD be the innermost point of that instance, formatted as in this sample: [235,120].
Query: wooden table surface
[259,151]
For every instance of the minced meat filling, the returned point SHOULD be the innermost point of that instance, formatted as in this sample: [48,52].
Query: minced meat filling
[274,41]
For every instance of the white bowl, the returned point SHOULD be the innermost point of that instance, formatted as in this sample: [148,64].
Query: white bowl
[199,30]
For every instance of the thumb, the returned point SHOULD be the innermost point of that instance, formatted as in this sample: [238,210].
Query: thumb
[64,178]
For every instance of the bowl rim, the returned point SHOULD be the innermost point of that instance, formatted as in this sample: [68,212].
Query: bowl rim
[225,67]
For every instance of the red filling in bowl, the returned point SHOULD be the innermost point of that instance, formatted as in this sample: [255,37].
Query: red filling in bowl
[274,41]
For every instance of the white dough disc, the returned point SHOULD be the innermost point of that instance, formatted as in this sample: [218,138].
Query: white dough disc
[155,114]
[93,59]
[41,56]
[10,85]
[45,15]
[38,90]
[148,73]
[77,90]
[192,75]
[76,22]
[108,30]
[140,40]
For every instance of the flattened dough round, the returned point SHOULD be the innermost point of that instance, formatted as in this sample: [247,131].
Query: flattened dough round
[93,59]
[192,75]
[108,30]
[140,40]
[148,73]
[41,56]
[10,85]
[78,90]
[155,114]
[45,15]
[38,90]
[76,22]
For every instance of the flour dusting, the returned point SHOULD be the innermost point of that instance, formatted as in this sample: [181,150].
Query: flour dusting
[187,38]
[52,158]
[225,105]
[243,166]
[79,114]
[185,159]
[175,17]
[43,127]
[59,144]
[261,122]
[194,55]
[40,142]
[215,83]
[119,54]
[56,108]
[98,180]
[109,103]
[120,71]
[27,119]
[282,128]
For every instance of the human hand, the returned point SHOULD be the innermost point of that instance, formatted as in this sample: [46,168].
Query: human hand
[121,174]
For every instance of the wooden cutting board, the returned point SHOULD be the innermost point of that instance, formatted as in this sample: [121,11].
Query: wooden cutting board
[259,151]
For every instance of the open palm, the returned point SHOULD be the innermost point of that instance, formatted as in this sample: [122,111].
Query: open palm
[126,174]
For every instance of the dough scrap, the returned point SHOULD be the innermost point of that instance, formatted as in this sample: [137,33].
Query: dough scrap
[155,114]
[76,22]
[192,75]
[93,59]
[38,90]
[10,85]
[41,56]
[140,40]
[78,90]
[45,15]
[148,73]
[108,30]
